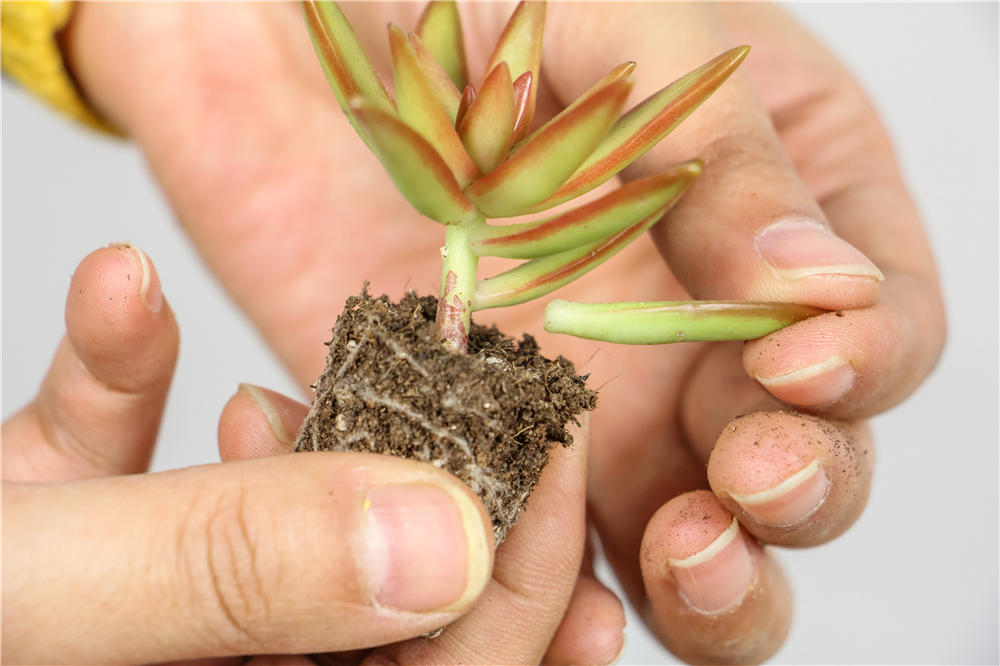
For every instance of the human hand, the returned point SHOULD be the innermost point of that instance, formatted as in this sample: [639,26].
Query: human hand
[104,564]
[250,173]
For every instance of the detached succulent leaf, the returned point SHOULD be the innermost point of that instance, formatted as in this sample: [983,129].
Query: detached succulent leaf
[418,171]
[520,46]
[550,155]
[488,125]
[345,63]
[672,321]
[538,277]
[420,109]
[646,124]
[599,219]
[440,29]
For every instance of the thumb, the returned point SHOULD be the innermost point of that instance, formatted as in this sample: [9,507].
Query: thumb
[748,228]
[303,553]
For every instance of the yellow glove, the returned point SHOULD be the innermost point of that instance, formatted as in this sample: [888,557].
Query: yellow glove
[31,55]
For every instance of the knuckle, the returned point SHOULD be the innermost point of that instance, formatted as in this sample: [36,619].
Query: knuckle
[221,552]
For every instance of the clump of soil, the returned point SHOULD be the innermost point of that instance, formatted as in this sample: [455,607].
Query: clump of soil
[488,416]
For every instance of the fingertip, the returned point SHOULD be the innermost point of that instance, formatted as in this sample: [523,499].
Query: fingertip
[115,315]
[791,479]
[727,601]
[592,630]
[258,422]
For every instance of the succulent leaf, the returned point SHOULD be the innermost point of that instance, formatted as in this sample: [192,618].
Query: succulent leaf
[540,276]
[468,97]
[590,223]
[488,125]
[440,83]
[418,171]
[672,321]
[550,155]
[440,29]
[419,108]
[522,93]
[520,46]
[345,63]
[646,124]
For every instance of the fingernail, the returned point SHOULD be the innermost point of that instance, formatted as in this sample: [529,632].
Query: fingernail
[814,385]
[791,501]
[427,547]
[149,282]
[282,421]
[799,247]
[716,578]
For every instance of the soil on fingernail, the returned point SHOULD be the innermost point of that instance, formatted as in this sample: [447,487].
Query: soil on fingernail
[489,416]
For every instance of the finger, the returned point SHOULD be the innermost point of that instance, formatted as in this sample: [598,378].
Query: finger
[791,479]
[533,579]
[592,630]
[749,211]
[303,553]
[99,407]
[714,596]
[258,422]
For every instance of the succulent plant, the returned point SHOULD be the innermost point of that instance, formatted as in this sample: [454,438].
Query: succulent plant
[463,154]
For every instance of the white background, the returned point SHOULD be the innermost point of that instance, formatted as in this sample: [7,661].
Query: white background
[915,581]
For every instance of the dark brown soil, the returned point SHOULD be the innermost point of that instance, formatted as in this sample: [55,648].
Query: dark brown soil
[489,416]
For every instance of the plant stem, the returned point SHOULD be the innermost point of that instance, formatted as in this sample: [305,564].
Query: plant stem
[458,285]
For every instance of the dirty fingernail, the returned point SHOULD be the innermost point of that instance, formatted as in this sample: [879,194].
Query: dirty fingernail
[427,547]
[716,578]
[791,501]
[283,417]
[800,247]
[149,281]
[814,385]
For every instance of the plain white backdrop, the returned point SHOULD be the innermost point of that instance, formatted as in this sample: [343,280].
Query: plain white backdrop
[915,581]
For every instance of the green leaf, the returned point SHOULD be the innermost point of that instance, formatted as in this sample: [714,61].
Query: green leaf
[345,63]
[540,276]
[420,109]
[672,321]
[646,124]
[441,30]
[440,83]
[418,171]
[488,125]
[520,46]
[599,219]
[551,154]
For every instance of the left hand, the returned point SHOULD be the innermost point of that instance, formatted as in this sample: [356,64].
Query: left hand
[104,563]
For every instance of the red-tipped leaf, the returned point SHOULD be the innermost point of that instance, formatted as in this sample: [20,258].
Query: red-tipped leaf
[418,171]
[538,277]
[590,223]
[520,46]
[487,127]
[646,124]
[441,30]
[522,93]
[550,155]
[420,109]
[440,83]
[345,63]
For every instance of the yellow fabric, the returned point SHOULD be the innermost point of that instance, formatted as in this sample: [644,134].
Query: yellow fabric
[31,55]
